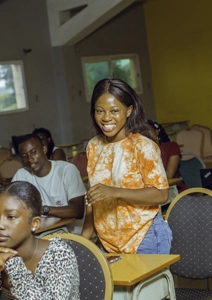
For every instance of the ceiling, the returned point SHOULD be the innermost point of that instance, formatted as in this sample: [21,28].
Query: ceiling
[70,21]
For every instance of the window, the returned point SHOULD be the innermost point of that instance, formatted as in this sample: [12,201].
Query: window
[12,87]
[125,67]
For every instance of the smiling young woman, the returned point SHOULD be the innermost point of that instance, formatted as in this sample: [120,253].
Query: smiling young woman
[110,116]
[126,175]
[32,268]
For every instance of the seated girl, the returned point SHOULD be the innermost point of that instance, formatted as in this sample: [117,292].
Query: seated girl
[53,153]
[31,268]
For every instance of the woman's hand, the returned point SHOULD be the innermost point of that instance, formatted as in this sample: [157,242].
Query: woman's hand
[98,193]
[5,254]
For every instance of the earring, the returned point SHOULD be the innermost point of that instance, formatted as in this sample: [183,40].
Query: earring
[33,229]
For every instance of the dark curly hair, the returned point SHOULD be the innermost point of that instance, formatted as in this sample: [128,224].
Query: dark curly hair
[47,134]
[162,135]
[27,193]
[127,96]
[27,137]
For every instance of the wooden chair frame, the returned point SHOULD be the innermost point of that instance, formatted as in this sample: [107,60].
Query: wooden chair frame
[201,191]
[186,192]
[97,252]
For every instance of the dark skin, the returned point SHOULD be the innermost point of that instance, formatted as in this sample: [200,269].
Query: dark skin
[174,160]
[33,155]
[5,253]
[17,227]
[58,154]
[111,116]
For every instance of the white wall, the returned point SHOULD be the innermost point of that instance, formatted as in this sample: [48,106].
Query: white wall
[54,74]
[123,34]
[24,24]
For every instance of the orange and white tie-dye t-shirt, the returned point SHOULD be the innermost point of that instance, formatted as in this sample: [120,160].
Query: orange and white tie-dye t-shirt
[133,163]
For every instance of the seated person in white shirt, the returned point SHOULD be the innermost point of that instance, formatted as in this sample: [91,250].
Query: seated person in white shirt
[59,182]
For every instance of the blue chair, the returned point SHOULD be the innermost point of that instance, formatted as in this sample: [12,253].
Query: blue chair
[189,169]
[95,276]
[189,217]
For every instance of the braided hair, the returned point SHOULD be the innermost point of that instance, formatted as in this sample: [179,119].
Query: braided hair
[162,135]
[48,136]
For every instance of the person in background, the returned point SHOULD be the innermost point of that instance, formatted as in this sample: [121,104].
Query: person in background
[126,175]
[170,152]
[31,268]
[80,161]
[59,182]
[53,153]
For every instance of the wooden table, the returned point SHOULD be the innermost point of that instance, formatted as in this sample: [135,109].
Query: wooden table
[49,223]
[71,149]
[173,181]
[146,270]
[69,145]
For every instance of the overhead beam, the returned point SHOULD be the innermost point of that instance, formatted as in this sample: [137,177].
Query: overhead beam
[82,24]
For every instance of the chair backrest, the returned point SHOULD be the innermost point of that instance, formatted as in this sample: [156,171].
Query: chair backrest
[189,169]
[9,166]
[4,153]
[95,276]
[190,140]
[80,161]
[189,217]
[188,155]
[207,141]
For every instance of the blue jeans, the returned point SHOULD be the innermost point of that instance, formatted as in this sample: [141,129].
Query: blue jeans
[157,239]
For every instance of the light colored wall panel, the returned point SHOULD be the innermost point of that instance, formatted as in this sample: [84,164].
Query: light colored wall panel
[24,24]
[123,34]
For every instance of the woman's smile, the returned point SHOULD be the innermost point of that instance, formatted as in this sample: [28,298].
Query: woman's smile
[111,116]
[108,127]
[3,238]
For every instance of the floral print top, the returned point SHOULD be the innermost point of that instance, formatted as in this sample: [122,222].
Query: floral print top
[56,276]
[133,163]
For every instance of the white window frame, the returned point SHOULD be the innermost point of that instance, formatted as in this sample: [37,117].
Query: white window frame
[93,59]
[20,86]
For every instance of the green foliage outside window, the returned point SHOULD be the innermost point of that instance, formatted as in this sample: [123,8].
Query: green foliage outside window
[95,72]
[7,90]
[12,88]
[122,68]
